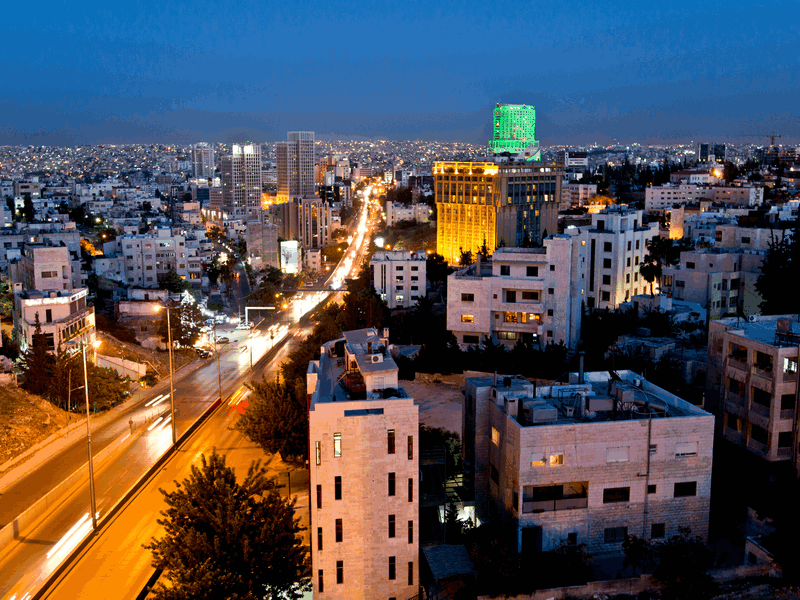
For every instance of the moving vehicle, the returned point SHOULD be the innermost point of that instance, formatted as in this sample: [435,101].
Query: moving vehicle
[203,353]
[223,340]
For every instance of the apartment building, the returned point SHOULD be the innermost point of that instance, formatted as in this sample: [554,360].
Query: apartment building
[751,238]
[295,170]
[588,462]
[364,473]
[413,212]
[63,316]
[148,257]
[617,245]
[752,383]
[532,294]
[399,277]
[43,267]
[315,222]
[722,280]
[239,196]
[658,198]
[576,194]
[203,163]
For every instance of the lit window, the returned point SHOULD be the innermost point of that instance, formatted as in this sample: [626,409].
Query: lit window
[556,459]
[337,444]
[467,318]
[495,437]
[318,451]
[537,459]
[686,449]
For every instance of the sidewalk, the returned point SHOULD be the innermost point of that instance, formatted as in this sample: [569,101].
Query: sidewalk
[20,466]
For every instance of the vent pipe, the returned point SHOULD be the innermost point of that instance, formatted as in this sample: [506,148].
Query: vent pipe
[580,367]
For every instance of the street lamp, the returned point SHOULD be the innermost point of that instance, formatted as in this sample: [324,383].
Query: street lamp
[171,370]
[95,344]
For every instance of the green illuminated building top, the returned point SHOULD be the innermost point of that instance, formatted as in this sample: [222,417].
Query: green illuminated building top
[514,131]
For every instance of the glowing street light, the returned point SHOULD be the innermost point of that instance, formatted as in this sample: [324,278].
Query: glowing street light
[171,370]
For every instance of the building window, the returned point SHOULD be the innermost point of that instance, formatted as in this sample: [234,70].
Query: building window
[557,459]
[495,437]
[320,583]
[606,263]
[410,573]
[605,296]
[319,538]
[690,265]
[620,454]
[410,489]
[390,441]
[494,474]
[606,279]
[530,296]
[339,530]
[607,246]
[549,312]
[391,484]
[468,297]
[629,249]
[337,487]
[651,488]
[471,339]
[657,531]
[505,270]
[411,447]
[467,318]
[391,526]
[510,317]
[745,240]
[686,449]
[411,532]
[337,445]
[552,267]
[637,244]
[532,271]
[319,496]
[613,495]
[653,449]
[684,489]
[551,291]
[537,459]
[615,535]
[392,567]
[339,571]
[318,451]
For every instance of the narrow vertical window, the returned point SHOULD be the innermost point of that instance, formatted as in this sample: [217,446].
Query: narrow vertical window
[337,488]
[390,441]
[410,573]
[391,484]
[339,571]
[392,567]
[320,582]
[339,530]
[410,489]
[411,447]
[411,532]
[318,451]
[391,526]
[337,444]
[319,538]
[319,496]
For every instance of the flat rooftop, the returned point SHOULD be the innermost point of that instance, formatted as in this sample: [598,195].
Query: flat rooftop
[764,328]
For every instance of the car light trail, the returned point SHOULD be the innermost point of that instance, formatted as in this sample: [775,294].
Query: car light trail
[156,422]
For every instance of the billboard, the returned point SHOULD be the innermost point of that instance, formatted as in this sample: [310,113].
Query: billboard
[290,256]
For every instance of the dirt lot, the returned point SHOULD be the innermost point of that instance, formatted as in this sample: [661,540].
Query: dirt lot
[26,420]
[111,346]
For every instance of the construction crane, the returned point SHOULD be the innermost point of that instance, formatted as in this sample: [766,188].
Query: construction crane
[772,136]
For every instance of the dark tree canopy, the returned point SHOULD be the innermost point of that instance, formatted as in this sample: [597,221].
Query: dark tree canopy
[225,539]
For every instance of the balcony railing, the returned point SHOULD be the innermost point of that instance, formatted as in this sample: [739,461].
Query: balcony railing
[552,505]
[757,446]
[787,413]
[784,452]
[759,409]
[764,371]
[737,362]
[790,375]
[735,398]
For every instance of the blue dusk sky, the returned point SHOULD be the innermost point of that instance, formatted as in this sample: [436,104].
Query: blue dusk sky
[143,71]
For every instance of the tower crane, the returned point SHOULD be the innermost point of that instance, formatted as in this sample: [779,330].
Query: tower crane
[772,136]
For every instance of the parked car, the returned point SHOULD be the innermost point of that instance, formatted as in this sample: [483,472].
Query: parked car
[242,327]
[223,340]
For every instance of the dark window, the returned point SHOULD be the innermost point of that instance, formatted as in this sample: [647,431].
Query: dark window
[319,538]
[339,530]
[392,567]
[411,532]
[494,474]
[532,271]
[339,571]
[551,291]
[390,441]
[621,494]
[651,488]
[505,269]
[410,573]
[391,526]
[411,447]
[391,484]
[601,225]
[472,339]
[606,263]
[637,244]
[606,279]
[320,582]
[530,295]
[615,535]
[337,488]
[549,312]
[319,496]
[607,246]
[759,434]
[511,295]
[468,297]
[572,538]
[48,315]
[552,267]
[745,240]
[629,246]
[410,489]
[690,265]
[657,531]
[685,488]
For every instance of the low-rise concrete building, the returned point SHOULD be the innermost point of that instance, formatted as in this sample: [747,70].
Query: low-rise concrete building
[413,212]
[63,316]
[586,462]
[399,277]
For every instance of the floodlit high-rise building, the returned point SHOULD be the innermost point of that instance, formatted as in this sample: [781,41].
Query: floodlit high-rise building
[240,195]
[295,158]
[203,160]
[702,153]
[514,131]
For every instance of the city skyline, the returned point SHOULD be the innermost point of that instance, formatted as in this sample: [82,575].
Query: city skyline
[671,73]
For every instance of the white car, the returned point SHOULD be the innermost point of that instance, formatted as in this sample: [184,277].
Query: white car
[242,327]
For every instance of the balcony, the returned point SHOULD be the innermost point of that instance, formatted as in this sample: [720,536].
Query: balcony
[734,436]
[734,408]
[735,398]
[737,362]
[784,453]
[759,409]
[553,505]
[757,447]
[764,371]
[787,414]
[789,376]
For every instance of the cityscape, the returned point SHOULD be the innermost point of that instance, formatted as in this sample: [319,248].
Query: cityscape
[393,318]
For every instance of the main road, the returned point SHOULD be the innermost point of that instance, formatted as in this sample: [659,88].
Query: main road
[28,562]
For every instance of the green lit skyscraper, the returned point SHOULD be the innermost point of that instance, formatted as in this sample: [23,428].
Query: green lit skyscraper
[514,131]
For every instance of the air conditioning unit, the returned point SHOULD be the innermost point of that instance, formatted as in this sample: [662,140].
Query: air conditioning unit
[751,319]
[376,358]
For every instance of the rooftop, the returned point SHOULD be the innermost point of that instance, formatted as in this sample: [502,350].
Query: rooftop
[773,330]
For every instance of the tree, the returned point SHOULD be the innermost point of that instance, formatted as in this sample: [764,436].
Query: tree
[37,362]
[28,212]
[650,269]
[467,258]
[224,539]
[781,264]
[276,419]
[186,321]
[683,564]
[436,268]
[484,250]
[640,555]
[172,282]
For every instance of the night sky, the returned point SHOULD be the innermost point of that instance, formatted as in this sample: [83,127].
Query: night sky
[121,72]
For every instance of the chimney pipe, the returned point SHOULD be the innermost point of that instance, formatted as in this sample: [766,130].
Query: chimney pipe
[580,367]
[369,347]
